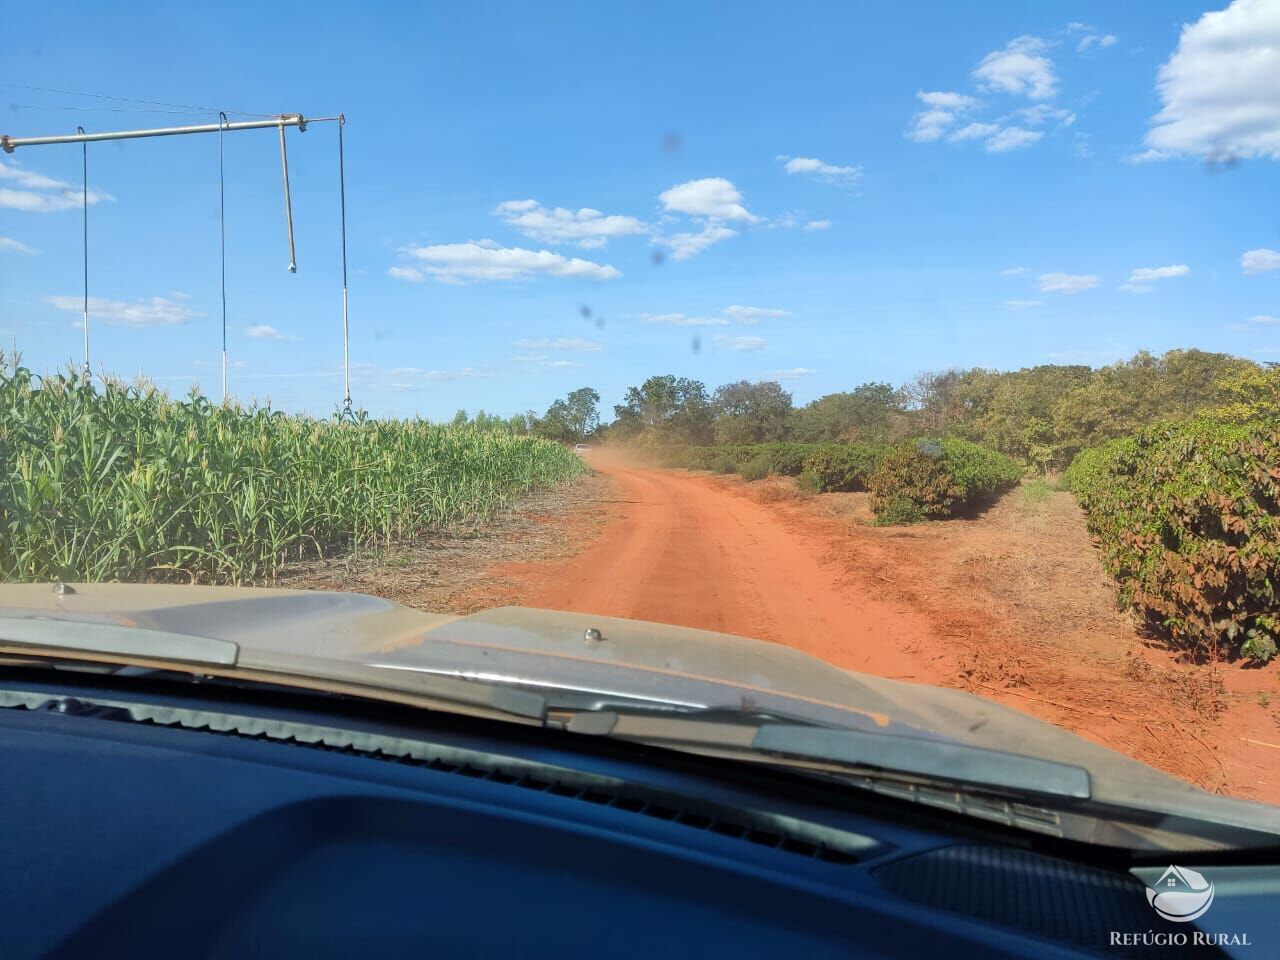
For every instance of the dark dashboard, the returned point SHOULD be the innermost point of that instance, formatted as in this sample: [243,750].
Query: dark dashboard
[244,829]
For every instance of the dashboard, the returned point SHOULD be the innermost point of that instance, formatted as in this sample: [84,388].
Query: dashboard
[145,820]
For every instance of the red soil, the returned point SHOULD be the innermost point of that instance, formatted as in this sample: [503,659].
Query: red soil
[1012,606]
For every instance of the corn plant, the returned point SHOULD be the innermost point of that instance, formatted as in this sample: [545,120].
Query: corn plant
[112,481]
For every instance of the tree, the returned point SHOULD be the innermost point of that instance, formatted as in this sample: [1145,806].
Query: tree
[573,418]
[1247,395]
[1018,418]
[523,423]
[862,414]
[1125,396]
[665,409]
[946,402]
[748,412]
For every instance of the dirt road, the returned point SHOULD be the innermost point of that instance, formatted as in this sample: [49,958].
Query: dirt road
[1013,606]
[682,552]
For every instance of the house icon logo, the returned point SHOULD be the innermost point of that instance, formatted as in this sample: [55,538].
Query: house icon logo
[1180,895]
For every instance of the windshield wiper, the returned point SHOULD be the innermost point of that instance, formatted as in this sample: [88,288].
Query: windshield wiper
[758,738]
[931,759]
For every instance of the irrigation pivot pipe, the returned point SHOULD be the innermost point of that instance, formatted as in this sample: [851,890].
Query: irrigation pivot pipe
[9,144]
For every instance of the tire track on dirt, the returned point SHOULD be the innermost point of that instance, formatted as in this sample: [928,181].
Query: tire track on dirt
[685,552]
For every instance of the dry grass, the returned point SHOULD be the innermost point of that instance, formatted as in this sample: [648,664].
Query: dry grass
[775,489]
[452,570]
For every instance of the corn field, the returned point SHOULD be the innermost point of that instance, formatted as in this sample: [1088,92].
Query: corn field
[119,482]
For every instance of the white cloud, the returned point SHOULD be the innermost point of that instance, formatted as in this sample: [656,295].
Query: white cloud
[1022,304]
[15,246]
[400,379]
[826,172]
[1020,68]
[946,100]
[943,107]
[742,343]
[974,131]
[1013,271]
[1260,260]
[564,363]
[690,244]
[411,274]
[486,260]
[1219,92]
[1012,138]
[1263,318]
[929,125]
[735,313]
[1146,156]
[790,373]
[1039,114]
[1141,278]
[41,194]
[573,344]
[1000,139]
[586,227]
[1095,40]
[712,197]
[264,331]
[1066,282]
[755,314]
[682,320]
[813,225]
[153,312]
[29,179]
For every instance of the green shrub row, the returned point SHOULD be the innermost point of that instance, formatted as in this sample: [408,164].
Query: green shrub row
[936,478]
[843,467]
[1188,520]
[828,466]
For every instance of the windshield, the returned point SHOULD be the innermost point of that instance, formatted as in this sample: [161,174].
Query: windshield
[942,364]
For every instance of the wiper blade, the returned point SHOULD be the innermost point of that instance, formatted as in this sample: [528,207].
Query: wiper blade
[75,636]
[931,759]
[757,737]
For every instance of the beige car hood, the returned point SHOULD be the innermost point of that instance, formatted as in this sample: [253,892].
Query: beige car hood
[543,649]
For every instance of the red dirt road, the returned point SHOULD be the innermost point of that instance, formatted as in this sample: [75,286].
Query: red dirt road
[998,607]
[683,552]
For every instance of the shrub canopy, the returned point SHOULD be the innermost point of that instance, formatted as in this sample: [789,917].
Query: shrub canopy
[1188,519]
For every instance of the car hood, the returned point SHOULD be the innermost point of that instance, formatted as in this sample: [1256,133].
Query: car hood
[614,658]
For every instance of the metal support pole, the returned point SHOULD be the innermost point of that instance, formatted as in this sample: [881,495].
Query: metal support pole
[84,200]
[342,200]
[288,202]
[222,247]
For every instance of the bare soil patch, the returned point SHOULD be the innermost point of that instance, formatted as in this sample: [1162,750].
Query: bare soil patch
[455,570]
[1021,593]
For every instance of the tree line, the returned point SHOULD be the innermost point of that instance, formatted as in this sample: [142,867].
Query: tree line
[1042,416]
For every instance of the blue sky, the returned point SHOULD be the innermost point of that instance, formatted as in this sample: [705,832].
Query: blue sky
[878,191]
